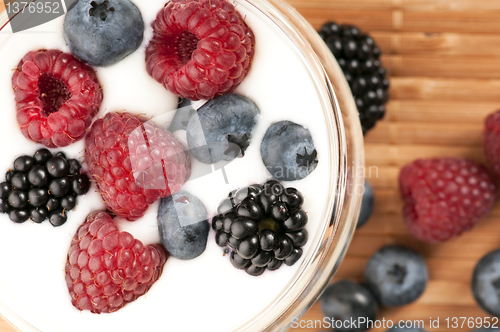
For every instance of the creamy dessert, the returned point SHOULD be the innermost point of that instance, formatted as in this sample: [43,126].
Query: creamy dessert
[206,293]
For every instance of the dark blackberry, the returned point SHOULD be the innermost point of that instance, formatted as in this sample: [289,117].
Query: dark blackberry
[358,56]
[42,187]
[261,226]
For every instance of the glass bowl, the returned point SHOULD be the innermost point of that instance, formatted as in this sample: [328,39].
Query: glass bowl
[346,158]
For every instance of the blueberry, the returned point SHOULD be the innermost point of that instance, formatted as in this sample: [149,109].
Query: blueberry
[405,327]
[183,225]
[288,151]
[397,275]
[182,115]
[222,128]
[486,283]
[347,300]
[102,33]
[366,204]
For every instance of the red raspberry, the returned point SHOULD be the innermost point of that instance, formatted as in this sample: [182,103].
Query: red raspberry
[445,197]
[491,140]
[200,48]
[134,163]
[106,268]
[57,97]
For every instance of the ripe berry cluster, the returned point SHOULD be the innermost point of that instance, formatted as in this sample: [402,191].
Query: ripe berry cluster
[262,226]
[43,186]
[358,56]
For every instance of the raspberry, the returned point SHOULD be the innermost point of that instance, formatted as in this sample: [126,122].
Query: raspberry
[106,269]
[445,197]
[56,97]
[491,140]
[200,48]
[134,163]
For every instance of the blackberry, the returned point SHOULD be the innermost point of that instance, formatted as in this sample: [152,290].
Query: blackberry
[358,56]
[261,227]
[42,187]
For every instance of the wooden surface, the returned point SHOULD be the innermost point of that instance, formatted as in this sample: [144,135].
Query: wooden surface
[443,57]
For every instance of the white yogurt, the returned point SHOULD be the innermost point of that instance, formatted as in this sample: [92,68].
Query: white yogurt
[204,294]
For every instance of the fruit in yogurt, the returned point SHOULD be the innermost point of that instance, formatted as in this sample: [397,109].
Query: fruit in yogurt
[102,33]
[183,225]
[359,57]
[134,163]
[107,269]
[445,197]
[348,301]
[397,275]
[484,282]
[56,95]
[288,151]
[42,187]
[200,49]
[262,226]
[222,128]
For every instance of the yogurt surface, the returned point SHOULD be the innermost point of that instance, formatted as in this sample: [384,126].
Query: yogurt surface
[203,294]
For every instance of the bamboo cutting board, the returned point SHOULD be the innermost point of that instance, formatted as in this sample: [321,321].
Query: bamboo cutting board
[443,58]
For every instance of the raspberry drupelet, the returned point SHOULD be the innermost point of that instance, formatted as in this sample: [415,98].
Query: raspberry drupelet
[134,163]
[200,48]
[56,95]
[107,269]
[445,197]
